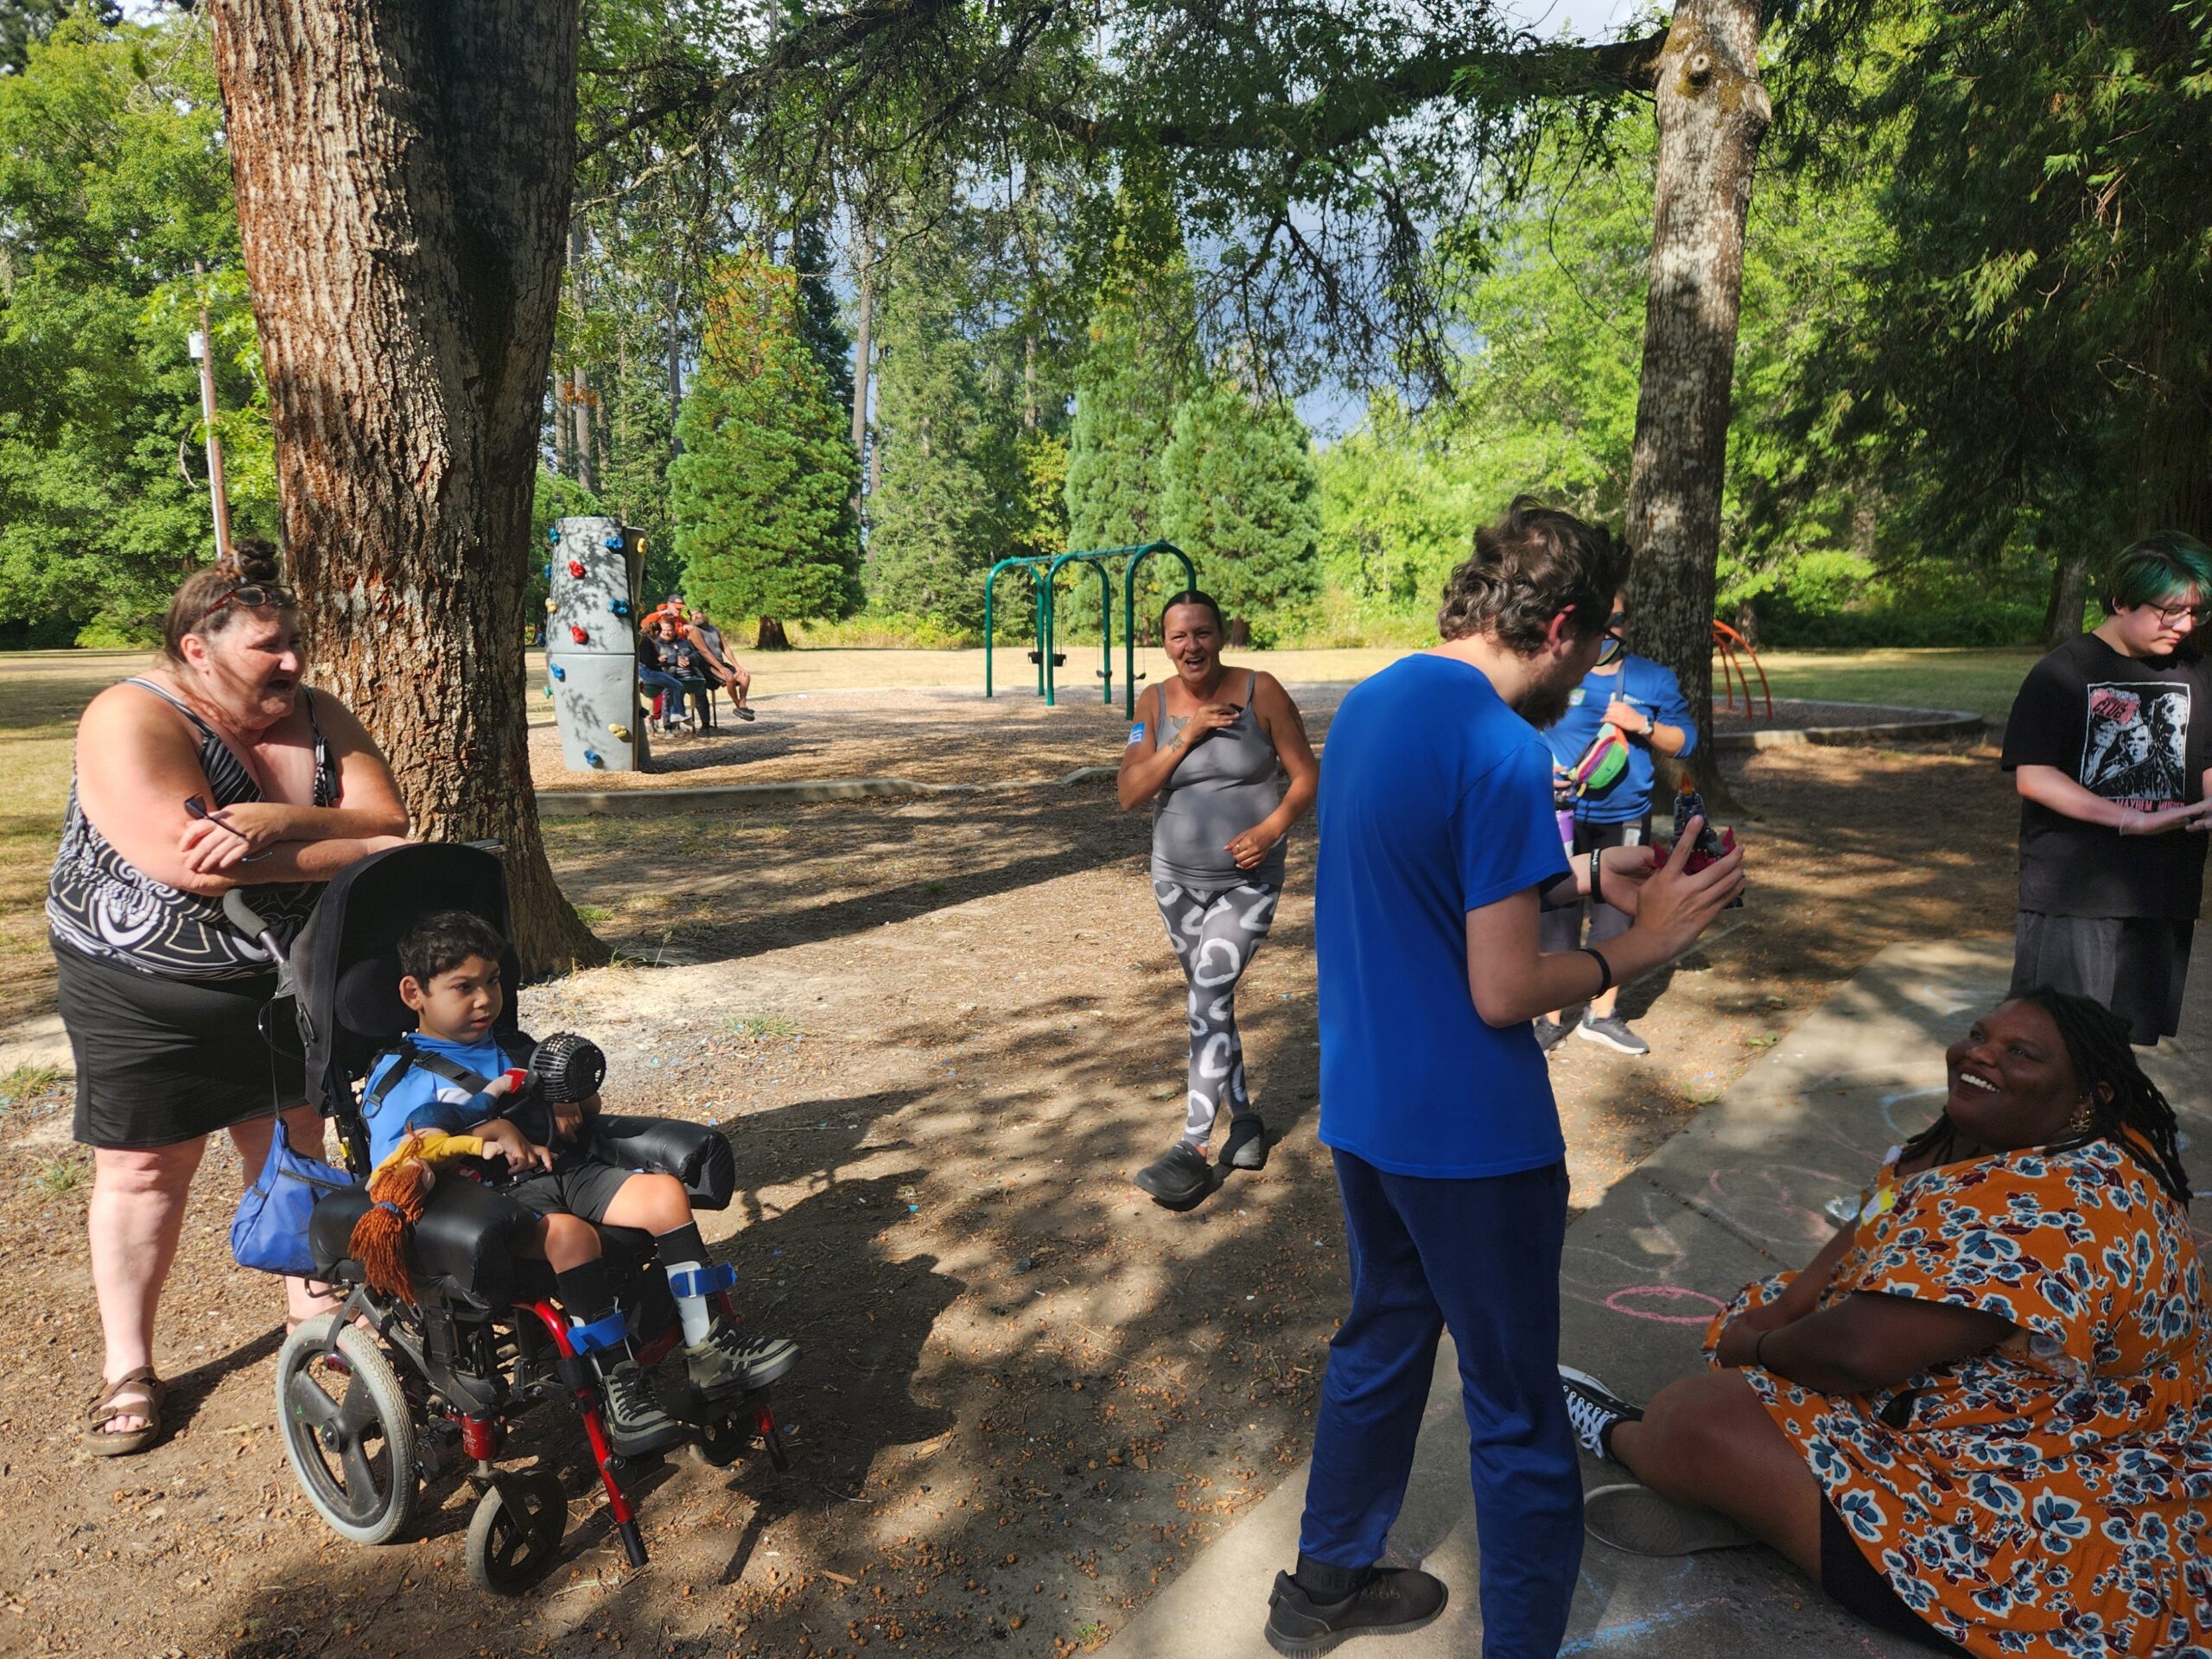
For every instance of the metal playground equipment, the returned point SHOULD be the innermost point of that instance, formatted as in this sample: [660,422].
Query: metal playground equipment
[1727,644]
[1044,571]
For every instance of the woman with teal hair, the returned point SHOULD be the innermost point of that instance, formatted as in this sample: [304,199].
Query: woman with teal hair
[2108,741]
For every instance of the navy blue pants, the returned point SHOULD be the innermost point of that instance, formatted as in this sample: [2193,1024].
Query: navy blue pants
[1481,1258]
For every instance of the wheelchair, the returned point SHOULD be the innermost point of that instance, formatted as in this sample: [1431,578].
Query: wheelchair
[381,1399]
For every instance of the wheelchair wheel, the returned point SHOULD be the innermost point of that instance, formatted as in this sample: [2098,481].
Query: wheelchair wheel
[515,1534]
[348,1431]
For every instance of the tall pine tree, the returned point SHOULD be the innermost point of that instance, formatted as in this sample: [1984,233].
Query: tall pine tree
[932,522]
[761,496]
[1238,494]
[1132,378]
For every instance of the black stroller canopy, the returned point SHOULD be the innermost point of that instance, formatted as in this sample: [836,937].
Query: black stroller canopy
[346,965]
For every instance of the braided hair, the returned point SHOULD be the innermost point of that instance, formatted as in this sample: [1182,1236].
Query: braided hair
[2125,1105]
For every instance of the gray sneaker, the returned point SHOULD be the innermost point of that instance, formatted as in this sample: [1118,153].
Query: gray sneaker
[1550,1033]
[1636,1519]
[1613,1031]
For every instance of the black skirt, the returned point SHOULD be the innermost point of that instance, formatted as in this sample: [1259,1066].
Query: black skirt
[161,1061]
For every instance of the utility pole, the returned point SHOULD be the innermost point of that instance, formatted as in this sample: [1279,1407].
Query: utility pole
[218,499]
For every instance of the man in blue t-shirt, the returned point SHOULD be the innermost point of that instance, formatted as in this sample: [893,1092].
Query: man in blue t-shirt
[1438,850]
[1642,703]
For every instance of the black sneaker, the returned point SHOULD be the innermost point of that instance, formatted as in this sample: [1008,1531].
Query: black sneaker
[1180,1175]
[729,1360]
[1592,1408]
[636,1423]
[742,712]
[1247,1146]
[1396,1599]
[1550,1033]
[1613,1031]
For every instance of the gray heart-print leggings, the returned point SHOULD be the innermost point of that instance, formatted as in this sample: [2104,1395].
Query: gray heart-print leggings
[1215,932]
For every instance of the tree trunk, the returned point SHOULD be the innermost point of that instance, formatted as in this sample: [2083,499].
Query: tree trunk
[2174,451]
[863,329]
[675,379]
[1713,111]
[2069,596]
[403,178]
[579,401]
[772,636]
[1747,622]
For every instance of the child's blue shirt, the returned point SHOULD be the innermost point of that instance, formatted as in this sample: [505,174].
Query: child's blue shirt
[423,1100]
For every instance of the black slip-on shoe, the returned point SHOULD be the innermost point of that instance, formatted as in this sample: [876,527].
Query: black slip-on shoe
[1247,1146]
[1396,1600]
[1178,1176]
[744,714]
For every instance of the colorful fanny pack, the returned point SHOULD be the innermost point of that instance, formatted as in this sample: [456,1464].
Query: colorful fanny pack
[1601,765]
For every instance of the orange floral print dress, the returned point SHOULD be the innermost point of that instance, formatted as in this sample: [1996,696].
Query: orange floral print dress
[2054,1495]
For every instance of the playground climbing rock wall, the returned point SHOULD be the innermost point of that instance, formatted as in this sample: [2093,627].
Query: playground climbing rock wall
[591,638]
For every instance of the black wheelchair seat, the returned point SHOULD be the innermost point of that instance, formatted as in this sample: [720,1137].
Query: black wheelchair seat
[462,1248]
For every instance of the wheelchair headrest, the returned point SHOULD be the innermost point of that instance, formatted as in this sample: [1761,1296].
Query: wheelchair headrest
[368,998]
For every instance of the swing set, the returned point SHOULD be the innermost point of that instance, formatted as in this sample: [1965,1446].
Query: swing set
[1044,572]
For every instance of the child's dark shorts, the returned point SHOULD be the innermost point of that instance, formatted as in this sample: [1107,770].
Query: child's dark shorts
[574,1186]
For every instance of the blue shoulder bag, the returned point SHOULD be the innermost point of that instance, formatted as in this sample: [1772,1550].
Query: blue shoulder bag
[270,1231]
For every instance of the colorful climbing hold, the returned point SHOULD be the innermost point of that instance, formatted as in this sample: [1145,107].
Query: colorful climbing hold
[615,544]
[576,569]
[557,672]
[577,634]
[621,734]
[551,605]
[620,606]
[591,758]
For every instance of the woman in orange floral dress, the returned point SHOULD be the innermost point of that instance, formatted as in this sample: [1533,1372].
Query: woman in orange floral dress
[1982,1417]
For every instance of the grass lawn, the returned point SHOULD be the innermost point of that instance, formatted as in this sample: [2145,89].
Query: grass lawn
[1982,681]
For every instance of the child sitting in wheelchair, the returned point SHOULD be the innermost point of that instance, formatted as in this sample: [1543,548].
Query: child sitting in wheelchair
[452,1075]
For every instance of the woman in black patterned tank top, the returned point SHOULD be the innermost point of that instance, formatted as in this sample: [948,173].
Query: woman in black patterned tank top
[217,769]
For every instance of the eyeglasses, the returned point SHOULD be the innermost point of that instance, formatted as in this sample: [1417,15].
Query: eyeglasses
[253,596]
[2170,615]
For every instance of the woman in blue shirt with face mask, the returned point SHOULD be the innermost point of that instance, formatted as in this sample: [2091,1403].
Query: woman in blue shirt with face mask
[1642,702]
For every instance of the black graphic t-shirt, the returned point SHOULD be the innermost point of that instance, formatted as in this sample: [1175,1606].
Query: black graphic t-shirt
[2132,730]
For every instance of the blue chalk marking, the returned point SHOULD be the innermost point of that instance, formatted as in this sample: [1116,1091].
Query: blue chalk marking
[1612,1635]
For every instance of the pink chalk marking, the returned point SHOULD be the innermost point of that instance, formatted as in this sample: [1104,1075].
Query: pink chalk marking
[1618,1300]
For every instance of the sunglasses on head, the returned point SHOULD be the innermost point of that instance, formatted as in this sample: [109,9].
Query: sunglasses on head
[253,596]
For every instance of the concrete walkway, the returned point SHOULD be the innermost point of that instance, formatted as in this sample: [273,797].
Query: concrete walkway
[1741,1192]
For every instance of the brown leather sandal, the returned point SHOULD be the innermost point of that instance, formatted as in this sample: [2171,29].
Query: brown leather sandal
[112,1401]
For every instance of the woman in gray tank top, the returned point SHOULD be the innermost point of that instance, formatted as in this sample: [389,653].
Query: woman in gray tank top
[1209,748]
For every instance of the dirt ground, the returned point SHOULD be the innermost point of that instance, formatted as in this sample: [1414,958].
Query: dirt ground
[940,1033]
[935,735]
